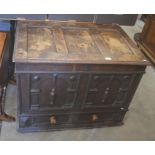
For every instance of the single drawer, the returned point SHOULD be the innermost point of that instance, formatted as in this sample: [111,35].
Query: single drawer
[47,120]
[65,121]
[107,118]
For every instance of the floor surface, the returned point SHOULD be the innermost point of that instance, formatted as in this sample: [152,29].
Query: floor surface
[139,120]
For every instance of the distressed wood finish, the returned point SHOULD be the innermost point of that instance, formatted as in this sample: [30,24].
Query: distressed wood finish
[62,42]
[146,39]
[74,75]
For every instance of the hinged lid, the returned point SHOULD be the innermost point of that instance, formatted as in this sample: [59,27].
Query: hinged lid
[73,42]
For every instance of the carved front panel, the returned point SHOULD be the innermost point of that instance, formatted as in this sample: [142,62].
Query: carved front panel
[56,91]
[107,90]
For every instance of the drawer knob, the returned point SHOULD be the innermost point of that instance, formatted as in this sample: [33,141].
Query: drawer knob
[54,75]
[36,78]
[53,120]
[72,77]
[96,77]
[126,77]
[107,89]
[122,108]
[94,117]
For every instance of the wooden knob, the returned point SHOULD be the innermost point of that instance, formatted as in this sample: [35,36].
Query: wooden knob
[94,117]
[96,77]
[36,78]
[54,75]
[122,108]
[53,120]
[72,77]
[107,89]
[126,77]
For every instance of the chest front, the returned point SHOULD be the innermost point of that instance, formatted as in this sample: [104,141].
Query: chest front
[73,75]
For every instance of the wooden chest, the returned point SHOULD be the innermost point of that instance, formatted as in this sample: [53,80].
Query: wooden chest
[74,75]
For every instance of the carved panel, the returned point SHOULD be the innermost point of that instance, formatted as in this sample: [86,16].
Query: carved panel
[107,90]
[54,91]
[39,90]
[66,88]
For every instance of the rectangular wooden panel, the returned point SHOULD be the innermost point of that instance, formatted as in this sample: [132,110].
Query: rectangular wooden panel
[40,43]
[60,41]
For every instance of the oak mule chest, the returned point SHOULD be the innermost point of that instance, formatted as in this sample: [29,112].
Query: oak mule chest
[74,75]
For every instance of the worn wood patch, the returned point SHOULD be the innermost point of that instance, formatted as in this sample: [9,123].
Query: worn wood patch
[60,41]
[20,48]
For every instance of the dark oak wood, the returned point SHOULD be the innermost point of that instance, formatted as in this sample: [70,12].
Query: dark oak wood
[146,39]
[74,75]
[71,42]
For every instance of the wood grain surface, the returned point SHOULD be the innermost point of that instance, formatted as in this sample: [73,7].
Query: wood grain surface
[2,42]
[74,42]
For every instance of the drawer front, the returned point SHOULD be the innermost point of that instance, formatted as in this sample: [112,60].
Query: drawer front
[104,117]
[59,122]
[44,121]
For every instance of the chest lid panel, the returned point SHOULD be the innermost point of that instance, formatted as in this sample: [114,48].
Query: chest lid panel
[72,42]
